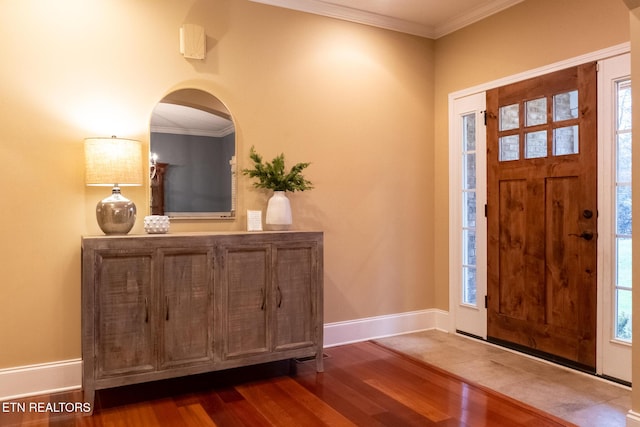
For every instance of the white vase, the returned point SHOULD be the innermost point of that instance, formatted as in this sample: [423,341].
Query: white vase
[279,212]
[156,224]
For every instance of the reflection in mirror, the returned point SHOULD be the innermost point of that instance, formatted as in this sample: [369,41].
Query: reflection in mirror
[192,157]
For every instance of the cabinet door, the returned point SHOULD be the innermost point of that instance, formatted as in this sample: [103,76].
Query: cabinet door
[186,311]
[246,276]
[295,285]
[123,314]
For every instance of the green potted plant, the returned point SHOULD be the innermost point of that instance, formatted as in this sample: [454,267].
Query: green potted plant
[274,176]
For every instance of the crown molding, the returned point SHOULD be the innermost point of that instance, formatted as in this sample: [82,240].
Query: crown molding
[194,132]
[319,7]
[474,15]
[324,8]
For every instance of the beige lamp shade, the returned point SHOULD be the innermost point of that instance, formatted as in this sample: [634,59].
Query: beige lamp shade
[111,161]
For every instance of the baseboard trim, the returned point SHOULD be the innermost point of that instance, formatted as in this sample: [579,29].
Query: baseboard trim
[633,419]
[340,333]
[55,377]
[44,378]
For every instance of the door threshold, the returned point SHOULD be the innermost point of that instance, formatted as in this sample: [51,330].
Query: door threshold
[615,380]
[467,334]
[555,359]
[543,355]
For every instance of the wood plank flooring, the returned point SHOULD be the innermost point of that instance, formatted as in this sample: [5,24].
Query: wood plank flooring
[363,384]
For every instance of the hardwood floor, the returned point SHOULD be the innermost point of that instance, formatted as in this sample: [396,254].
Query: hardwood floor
[363,384]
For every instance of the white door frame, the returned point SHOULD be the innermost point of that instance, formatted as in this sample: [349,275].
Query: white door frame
[470,319]
[457,313]
[613,356]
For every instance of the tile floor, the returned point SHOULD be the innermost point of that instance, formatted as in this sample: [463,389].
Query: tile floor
[574,396]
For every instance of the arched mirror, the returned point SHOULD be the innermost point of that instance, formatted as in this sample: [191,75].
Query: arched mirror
[193,157]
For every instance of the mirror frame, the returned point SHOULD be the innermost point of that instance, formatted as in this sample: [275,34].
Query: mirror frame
[204,100]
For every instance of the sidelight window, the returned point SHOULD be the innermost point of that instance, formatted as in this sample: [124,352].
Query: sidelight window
[622,263]
[469,208]
[467,254]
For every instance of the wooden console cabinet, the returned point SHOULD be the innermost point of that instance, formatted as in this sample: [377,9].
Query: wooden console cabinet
[162,306]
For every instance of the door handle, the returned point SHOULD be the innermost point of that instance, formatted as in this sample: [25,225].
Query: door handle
[586,235]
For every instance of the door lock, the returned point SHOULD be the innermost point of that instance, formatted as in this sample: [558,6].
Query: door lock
[586,235]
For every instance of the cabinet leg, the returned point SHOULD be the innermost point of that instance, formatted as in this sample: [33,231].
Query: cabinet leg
[293,367]
[319,361]
[90,398]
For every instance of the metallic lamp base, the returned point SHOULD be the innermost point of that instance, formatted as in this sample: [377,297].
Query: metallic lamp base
[116,214]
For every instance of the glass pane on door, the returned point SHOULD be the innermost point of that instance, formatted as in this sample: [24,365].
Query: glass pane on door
[565,141]
[509,148]
[510,117]
[565,106]
[535,145]
[536,112]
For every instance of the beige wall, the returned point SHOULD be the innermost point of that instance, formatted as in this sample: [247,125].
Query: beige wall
[354,100]
[529,35]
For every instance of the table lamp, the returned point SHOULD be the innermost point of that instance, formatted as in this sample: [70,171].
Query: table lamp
[114,162]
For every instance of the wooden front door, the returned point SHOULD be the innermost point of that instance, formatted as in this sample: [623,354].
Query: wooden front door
[542,215]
